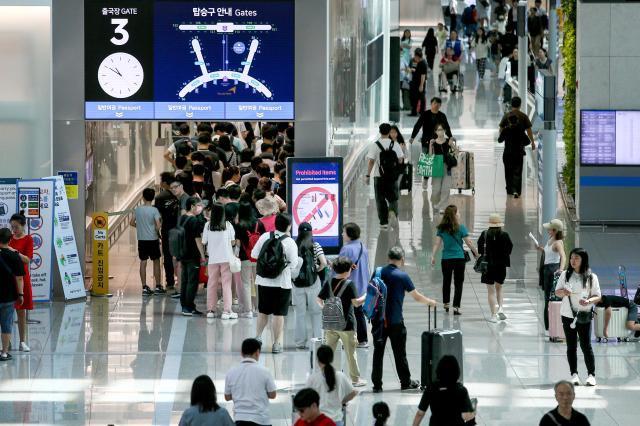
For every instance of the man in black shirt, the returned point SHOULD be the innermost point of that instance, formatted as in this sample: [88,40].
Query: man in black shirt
[564,414]
[418,81]
[11,285]
[169,208]
[427,121]
[194,256]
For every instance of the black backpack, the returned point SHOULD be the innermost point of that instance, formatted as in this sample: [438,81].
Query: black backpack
[271,260]
[388,162]
[308,274]
[178,239]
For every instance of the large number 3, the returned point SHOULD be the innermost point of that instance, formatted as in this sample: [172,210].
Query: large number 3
[120,23]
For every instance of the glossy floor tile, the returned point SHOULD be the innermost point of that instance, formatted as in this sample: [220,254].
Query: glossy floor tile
[127,360]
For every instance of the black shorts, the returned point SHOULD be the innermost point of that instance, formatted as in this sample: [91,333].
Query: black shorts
[495,274]
[273,300]
[149,250]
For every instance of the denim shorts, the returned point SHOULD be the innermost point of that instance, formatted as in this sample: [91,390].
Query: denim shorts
[6,317]
[632,315]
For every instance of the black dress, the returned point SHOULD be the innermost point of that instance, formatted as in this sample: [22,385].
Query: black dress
[497,246]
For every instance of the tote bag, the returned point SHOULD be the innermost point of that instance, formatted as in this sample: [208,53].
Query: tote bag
[430,165]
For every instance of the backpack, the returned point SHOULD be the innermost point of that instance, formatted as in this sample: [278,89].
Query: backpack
[388,162]
[245,170]
[375,301]
[178,240]
[272,261]
[308,274]
[332,311]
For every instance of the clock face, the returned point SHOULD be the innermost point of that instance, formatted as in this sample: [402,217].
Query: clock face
[120,75]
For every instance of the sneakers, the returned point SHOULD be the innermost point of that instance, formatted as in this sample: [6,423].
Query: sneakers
[493,318]
[187,312]
[359,383]
[501,315]
[301,347]
[171,291]
[276,348]
[5,357]
[176,295]
[575,379]
[196,312]
[210,314]
[456,311]
[410,386]
[24,348]
[160,290]
[247,315]
[146,291]
[376,390]
[363,345]
[591,380]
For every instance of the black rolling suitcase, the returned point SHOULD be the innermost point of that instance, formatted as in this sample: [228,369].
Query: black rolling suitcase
[437,343]
[406,182]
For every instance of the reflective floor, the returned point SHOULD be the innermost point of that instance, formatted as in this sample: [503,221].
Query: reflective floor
[126,360]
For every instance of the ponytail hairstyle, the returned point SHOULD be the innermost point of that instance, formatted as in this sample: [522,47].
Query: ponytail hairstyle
[381,413]
[325,357]
[19,217]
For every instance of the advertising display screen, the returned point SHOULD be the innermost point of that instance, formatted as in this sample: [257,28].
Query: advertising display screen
[176,60]
[314,195]
[609,138]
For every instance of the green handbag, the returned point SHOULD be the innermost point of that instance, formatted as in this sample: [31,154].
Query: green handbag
[430,165]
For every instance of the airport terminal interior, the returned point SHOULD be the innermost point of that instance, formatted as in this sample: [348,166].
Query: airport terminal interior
[323,75]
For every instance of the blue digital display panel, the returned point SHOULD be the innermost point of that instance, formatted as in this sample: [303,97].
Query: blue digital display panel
[177,60]
[314,195]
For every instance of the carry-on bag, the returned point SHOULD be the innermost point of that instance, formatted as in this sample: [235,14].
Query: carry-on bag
[437,343]
[406,181]
[463,176]
[556,332]
[617,329]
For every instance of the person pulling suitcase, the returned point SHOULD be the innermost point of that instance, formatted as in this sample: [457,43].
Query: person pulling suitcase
[391,324]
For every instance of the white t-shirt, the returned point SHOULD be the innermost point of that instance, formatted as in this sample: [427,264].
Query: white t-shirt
[248,385]
[592,289]
[331,402]
[290,249]
[218,243]
[373,153]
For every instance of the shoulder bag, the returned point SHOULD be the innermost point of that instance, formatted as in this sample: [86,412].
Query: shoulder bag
[482,265]
[581,317]
[467,256]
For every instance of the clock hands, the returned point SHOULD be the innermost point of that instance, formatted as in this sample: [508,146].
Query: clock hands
[115,71]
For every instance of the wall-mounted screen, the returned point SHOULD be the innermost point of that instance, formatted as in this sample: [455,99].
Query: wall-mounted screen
[609,138]
[375,57]
[177,60]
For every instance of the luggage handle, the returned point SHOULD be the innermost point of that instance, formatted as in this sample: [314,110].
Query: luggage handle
[435,317]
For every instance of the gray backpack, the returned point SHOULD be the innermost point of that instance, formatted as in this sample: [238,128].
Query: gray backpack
[332,312]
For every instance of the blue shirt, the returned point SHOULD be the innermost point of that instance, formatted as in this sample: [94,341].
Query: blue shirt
[360,276]
[452,244]
[456,46]
[398,283]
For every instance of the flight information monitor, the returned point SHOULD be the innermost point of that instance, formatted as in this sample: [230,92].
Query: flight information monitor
[609,138]
[177,60]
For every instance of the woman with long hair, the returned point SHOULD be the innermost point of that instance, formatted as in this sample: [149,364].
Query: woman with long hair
[405,46]
[451,233]
[334,387]
[441,186]
[22,243]
[204,408]
[448,399]
[396,136]
[580,291]
[307,286]
[219,237]
[481,44]
[244,227]
[555,261]
[430,47]
[496,246]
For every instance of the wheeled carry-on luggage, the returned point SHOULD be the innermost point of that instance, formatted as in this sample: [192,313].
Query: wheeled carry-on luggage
[556,332]
[437,343]
[406,181]
[463,175]
[617,325]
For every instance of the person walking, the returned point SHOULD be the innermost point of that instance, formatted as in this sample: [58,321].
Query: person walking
[451,233]
[441,186]
[334,387]
[22,244]
[555,261]
[405,45]
[307,286]
[169,208]
[343,288]
[204,408]
[391,324]
[354,250]
[453,15]
[430,47]
[11,290]
[564,414]
[384,158]
[513,126]
[418,83]
[277,256]
[579,289]
[480,43]
[448,399]
[250,386]
[495,245]
[147,221]
[193,257]
[219,236]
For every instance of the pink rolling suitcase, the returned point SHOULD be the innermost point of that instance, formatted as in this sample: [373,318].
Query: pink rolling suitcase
[556,332]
